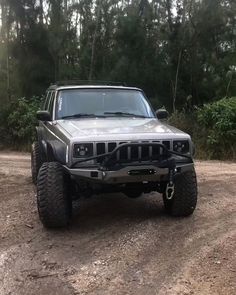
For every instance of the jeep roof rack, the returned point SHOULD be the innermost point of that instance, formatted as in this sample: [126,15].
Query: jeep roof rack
[87,82]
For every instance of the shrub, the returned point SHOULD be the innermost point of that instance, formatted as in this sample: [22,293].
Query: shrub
[18,127]
[218,120]
[4,134]
[184,121]
[212,127]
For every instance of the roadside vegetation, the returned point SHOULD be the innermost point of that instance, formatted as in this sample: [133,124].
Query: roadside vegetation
[182,53]
[212,127]
[17,123]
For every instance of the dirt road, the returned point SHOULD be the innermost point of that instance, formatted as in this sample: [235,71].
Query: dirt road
[117,245]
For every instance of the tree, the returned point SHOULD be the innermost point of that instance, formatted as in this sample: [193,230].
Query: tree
[172,49]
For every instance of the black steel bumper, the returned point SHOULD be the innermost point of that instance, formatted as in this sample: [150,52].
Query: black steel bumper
[109,170]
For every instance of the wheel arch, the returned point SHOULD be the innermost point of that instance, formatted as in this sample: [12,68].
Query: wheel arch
[56,151]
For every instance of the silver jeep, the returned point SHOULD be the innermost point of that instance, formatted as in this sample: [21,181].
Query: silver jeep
[95,139]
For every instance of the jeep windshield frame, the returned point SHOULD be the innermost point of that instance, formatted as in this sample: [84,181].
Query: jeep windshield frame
[102,102]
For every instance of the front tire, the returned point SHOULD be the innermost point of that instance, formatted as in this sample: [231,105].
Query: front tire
[36,161]
[53,199]
[184,200]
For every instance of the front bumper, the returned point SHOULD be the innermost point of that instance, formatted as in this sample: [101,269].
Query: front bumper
[139,173]
[111,171]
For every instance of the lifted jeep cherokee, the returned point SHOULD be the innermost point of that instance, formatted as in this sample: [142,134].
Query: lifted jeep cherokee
[102,138]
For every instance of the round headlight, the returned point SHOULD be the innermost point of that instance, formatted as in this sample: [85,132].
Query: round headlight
[83,150]
[181,146]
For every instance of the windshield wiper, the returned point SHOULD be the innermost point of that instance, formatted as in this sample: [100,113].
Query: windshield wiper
[82,115]
[124,114]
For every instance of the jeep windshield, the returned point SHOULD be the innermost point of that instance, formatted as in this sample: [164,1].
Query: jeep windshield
[90,103]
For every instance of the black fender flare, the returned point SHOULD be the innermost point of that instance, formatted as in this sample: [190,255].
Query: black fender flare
[52,150]
[56,151]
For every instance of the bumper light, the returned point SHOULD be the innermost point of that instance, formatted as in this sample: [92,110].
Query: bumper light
[83,150]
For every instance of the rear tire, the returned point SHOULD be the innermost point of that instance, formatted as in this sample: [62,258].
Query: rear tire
[184,200]
[53,199]
[36,161]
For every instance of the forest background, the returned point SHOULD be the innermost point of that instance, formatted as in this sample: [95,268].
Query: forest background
[182,53]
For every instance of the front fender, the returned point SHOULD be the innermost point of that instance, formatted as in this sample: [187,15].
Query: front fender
[57,151]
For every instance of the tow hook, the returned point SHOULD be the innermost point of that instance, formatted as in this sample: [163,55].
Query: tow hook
[170,188]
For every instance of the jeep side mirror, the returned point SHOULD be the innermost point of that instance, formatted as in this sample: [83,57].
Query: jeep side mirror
[43,116]
[162,114]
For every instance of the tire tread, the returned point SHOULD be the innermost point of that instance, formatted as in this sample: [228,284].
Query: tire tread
[52,199]
[185,196]
[36,161]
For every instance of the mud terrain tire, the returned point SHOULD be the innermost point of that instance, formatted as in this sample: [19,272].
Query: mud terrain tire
[54,203]
[36,161]
[184,200]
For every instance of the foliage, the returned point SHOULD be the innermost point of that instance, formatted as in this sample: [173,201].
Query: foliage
[219,122]
[172,49]
[20,121]
[181,52]
[212,127]
[184,121]
[4,134]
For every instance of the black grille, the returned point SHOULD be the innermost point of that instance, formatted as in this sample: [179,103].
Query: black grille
[131,153]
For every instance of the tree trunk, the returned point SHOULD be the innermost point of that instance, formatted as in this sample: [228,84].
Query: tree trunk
[91,70]
[41,11]
[228,86]
[8,67]
[56,68]
[5,34]
[169,18]
[176,80]
[65,6]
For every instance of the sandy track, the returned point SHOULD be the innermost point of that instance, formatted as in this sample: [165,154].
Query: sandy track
[117,245]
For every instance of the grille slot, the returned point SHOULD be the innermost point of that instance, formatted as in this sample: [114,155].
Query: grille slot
[134,153]
[111,146]
[156,150]
[166,144]
[123,152]
[101,148]
[145,152]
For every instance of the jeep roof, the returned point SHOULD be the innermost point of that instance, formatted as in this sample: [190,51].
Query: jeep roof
[74,84]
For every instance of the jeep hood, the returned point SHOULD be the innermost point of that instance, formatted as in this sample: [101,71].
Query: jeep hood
[106,129]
